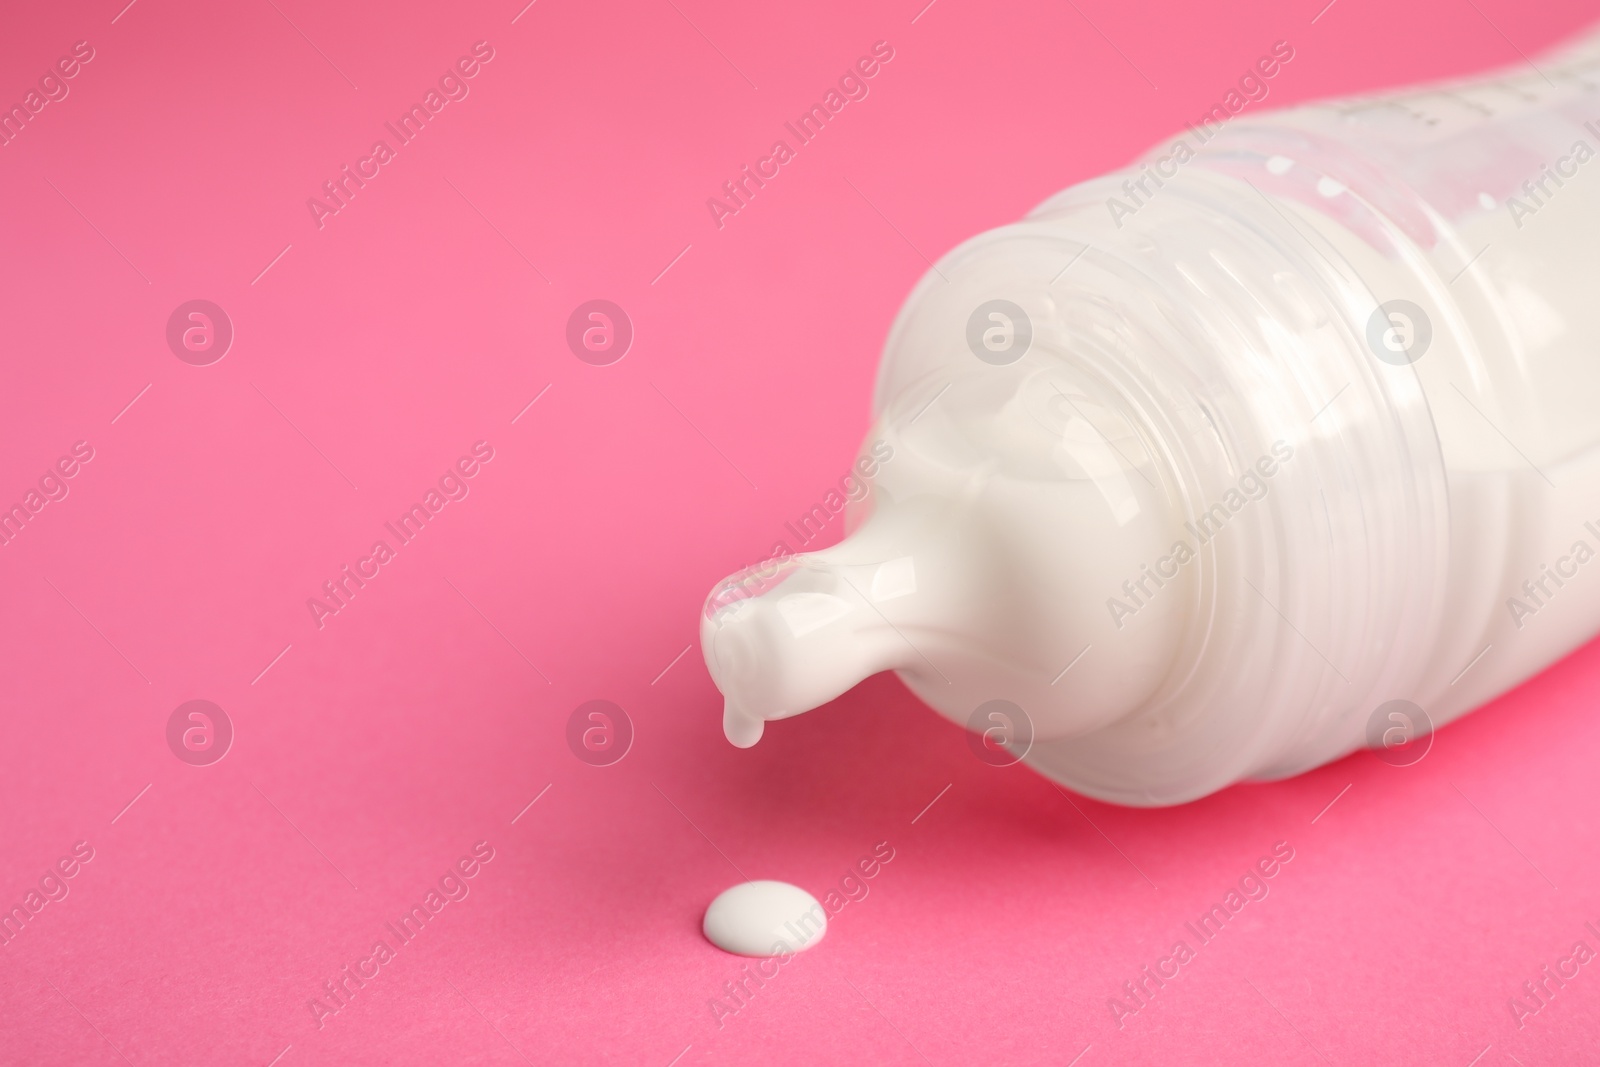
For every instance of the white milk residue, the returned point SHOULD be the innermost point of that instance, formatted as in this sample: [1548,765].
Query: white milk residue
[765,918]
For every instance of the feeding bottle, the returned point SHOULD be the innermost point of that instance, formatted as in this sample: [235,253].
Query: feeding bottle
[1191,474]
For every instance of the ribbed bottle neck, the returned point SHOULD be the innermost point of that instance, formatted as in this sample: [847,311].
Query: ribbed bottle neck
[1241,345]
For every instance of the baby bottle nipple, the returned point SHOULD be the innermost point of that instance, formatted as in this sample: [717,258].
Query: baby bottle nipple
[988,533]
[783,638]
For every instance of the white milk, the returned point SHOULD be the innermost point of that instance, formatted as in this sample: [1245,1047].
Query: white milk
[764,918]
[1197,501]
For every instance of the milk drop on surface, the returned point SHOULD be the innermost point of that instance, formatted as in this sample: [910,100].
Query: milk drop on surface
[765,918]
[1204,466]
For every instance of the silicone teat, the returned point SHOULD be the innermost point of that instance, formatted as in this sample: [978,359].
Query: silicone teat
[783,639]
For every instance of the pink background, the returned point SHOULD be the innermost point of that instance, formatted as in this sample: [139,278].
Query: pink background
[375,751]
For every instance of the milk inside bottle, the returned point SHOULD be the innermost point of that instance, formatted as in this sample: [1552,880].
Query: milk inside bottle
[1274,445]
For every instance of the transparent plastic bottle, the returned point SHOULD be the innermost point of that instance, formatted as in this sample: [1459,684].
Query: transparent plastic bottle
[1198,469]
